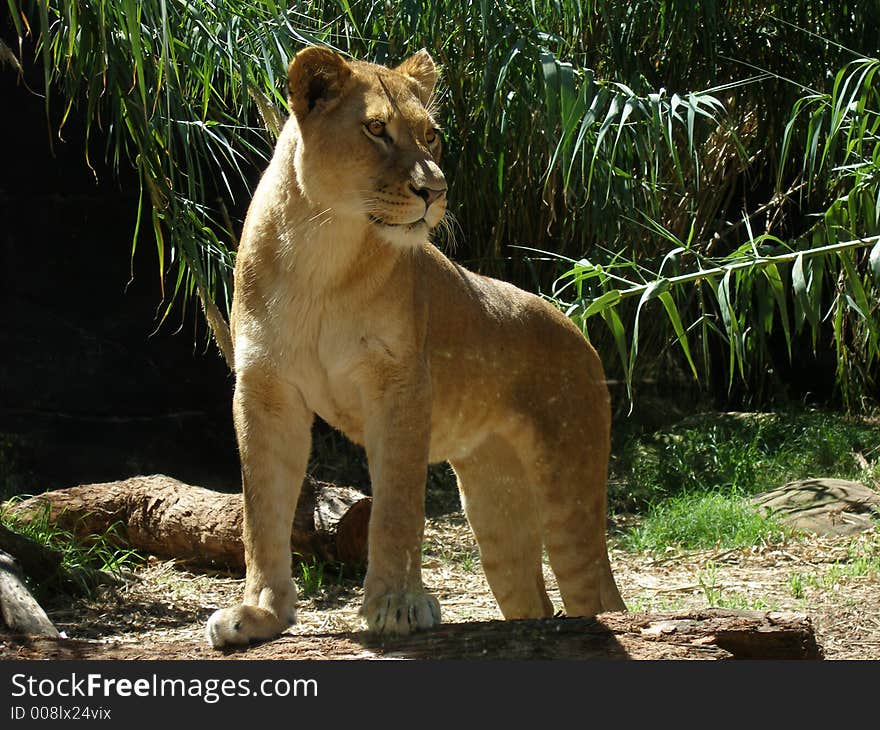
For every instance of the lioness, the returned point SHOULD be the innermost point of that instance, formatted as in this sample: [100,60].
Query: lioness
[344,308]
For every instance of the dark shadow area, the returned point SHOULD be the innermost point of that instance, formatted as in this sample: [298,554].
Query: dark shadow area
[89,389]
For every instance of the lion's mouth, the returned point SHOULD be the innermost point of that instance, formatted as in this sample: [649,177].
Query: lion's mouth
[403,226]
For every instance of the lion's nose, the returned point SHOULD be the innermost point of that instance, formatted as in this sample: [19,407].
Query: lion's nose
[429,195]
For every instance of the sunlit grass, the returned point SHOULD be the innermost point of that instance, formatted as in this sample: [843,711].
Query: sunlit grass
[693,521]
[741,453]
[691,483]
[85,564]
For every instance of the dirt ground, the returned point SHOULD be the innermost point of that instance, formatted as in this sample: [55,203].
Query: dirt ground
[160,612]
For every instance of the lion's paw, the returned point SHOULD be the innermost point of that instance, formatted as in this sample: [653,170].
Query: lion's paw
[240,625]
[401,613]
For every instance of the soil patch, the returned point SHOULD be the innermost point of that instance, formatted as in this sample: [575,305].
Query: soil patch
[161,610]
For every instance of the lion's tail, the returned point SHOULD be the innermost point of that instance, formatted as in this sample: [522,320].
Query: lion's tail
[220,328]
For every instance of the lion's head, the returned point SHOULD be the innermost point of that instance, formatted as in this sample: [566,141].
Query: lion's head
[369,146]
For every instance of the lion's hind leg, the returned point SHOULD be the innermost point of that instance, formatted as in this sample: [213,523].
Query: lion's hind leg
[501,509]
[572,497]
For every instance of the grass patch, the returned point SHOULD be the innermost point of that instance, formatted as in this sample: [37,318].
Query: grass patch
[797,584]
[718,597]
[312,575]
[701,520]
[691,482]
[743,453]
[85,564]
[862,561]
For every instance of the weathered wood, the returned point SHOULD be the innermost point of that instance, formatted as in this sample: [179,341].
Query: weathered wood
[165,517]
[707,634]
[331,522]
[18,608]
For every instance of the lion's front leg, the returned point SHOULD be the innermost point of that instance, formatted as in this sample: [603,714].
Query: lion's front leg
[397,435]
[273,427]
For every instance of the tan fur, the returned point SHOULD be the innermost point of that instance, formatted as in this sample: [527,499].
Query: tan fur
[343,308]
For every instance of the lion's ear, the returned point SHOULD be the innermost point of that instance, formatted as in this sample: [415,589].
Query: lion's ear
[315,77]
[421,68]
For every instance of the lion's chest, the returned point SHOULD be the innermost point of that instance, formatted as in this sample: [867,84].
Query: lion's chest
[334,356]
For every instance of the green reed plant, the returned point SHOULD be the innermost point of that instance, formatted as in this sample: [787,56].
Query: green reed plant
[717,157]
[825,279]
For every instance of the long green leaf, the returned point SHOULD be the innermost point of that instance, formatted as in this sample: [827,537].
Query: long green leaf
[675,319]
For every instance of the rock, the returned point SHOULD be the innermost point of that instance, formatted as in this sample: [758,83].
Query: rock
[823,506]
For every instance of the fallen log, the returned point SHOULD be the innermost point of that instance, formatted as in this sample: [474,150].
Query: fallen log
[707,634]
[167,518]
[711,634]
[19,610]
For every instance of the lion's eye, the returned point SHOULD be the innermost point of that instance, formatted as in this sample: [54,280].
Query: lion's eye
[431,136]
[376,127]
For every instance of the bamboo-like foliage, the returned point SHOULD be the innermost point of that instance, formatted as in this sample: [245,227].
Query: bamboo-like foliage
[165,85]
[640,145]
[830,274]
